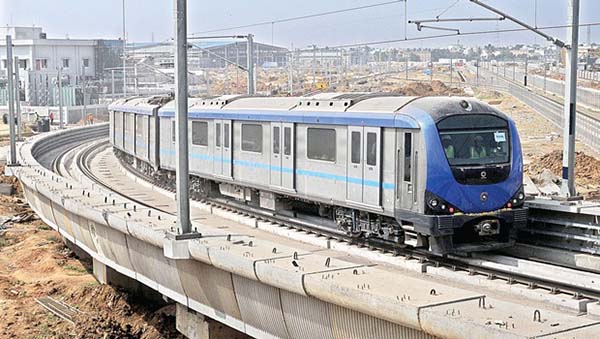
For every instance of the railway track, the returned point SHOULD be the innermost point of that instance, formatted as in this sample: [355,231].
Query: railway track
[493,267]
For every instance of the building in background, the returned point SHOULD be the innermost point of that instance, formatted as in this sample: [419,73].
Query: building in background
[40,59]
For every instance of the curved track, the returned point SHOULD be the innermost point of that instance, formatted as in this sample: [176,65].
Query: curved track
[571,282]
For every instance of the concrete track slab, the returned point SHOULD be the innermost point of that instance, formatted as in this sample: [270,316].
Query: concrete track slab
[288,272]
[498,319]
[487,285]
[375,287]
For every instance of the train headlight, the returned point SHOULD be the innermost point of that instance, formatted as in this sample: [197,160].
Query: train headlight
[518,199]
[433,203]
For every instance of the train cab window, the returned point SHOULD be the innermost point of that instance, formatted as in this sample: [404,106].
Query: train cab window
[226,135]
[252,138]
[173,130]
[321,144]
[200,133]
[287,140]
[408,157]
[218,134]
[355,147]
[371,149]
[276,140]
[475,140]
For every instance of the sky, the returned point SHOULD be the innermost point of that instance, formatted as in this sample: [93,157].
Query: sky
[152,20]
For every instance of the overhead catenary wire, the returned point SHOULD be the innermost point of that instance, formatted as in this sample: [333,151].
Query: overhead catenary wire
[302,17]
[439,36]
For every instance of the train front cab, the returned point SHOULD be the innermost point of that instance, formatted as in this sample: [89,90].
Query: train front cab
[463,202]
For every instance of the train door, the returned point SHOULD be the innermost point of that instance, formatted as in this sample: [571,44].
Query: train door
[406,172]
[282,155]
[222,164]
[276,156]
[372,166]
[288,160]
[364,170]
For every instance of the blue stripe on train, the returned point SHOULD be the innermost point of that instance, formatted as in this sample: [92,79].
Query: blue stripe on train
[308,173]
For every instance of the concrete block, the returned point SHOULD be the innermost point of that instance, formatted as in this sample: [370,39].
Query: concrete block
[6,189]
[191,324]
[175,248]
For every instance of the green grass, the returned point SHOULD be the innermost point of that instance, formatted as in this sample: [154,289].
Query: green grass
[75,269]
[52,238]
[5,242]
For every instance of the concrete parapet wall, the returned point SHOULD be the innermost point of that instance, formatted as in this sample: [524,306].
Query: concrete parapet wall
[262,286]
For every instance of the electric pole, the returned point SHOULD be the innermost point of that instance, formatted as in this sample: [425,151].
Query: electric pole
[11,100]
[124,55]
[250,63]
[18,99]
[570,105]
[181,119]
[60,100]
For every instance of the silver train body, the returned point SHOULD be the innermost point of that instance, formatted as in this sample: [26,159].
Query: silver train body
[356,159]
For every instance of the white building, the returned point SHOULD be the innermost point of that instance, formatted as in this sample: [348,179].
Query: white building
[41,58]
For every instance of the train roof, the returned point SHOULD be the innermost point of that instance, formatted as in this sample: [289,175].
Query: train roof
[362,109]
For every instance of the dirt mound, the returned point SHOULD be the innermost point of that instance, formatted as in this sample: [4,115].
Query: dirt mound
[115,314]
[421,88]
[587,171]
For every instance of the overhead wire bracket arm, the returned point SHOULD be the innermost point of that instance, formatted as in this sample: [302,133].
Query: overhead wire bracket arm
[419,27]
[550,38]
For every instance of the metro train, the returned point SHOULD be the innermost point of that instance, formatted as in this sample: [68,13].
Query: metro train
[440,173]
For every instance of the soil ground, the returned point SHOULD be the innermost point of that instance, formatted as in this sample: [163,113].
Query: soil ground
[35,263]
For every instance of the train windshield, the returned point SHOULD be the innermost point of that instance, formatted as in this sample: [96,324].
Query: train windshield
[479,147]
[475,140]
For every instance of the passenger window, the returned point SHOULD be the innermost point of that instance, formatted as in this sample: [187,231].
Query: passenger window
[200,133]
[218,134]
[321,144]
[276,139]
[173,130]
[355,156]
[371,149]
[139,126]
[252,138]
[226,135]
[287,140]
[407,157]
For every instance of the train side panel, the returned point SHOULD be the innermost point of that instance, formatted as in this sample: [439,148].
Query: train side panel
[118,129]
[167,143]
[129,132]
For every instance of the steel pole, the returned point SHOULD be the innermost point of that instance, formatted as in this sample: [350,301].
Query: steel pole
[124,55]
[60,100]
[181,118]
[477,68]
[450,70]
[112,79]
[250,63]
[18,99]
[84,110]
[544,73]
[11,100]
[570,105]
